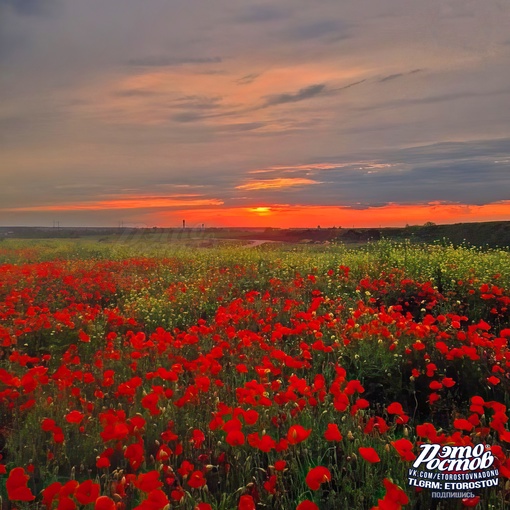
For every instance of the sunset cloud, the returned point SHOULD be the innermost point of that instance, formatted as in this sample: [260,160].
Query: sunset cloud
[275,183]
[123,203]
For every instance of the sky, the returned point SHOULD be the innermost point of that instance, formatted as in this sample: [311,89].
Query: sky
[288,113]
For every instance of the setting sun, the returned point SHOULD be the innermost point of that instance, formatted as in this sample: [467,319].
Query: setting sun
[261,211]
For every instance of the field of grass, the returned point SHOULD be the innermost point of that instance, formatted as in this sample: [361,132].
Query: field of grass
[156,376]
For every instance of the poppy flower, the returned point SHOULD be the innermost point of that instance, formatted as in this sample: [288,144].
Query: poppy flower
[203,506]
[198,438]
[307,505]
[297,434]
[147,482]
[49,493]
[87,492]
[16,485]
[48,425]
[246,503]
[66,503]
[196,480]
[156,500]
[369,454]
[317,476]
[235,438]
[404,448]
[448,382]
[104,503]
[493,380]
[178,494]
[280,465]
[395,408]
[270,485]
[471,502]
[332,433]
[394,498]
[462,424]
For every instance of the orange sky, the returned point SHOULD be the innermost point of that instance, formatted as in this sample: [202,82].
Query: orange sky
[310,216]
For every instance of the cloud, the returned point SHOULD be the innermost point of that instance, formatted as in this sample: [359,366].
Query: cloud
[247,79]
[302,94]
[349,85]
[186,117]
[261,14]
[398,75]
[162,61]
[133,202]
[449,97]
[198,102]
[275,183]
[28,7]
[242,126]
[297,168]
[391,77]
[318,29]
[136,93]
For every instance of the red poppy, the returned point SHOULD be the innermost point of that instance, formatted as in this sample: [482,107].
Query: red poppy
[307,505]
[203,506]
[68,488]
[198,438]
[156,500]
[394,498]
[147,482]
[235,438]
[104,503]
[16,485]
[66,503]
[246,503]
[280,465]
[395,408]
[448,382]
[471,502]
[87,492]
[369,454]
[463,424]
[135,455]
[47,425]
[297,434]
[50,492]
[270,485]
[404,448]
[332,433]
[178,494]
[317,476]
[196,480]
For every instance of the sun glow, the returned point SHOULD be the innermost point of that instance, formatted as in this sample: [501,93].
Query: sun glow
[260,211]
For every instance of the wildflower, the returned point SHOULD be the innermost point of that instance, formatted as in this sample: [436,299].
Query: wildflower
[297,434]
[317,476]
[404,448]
[307,505]
[369,454]
[87,492]
[104,503]
[332,433]
[246,503]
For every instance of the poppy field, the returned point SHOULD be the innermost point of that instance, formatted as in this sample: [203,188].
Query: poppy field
[228,378]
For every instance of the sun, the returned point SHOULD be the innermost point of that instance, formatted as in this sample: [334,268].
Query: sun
[261,211]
